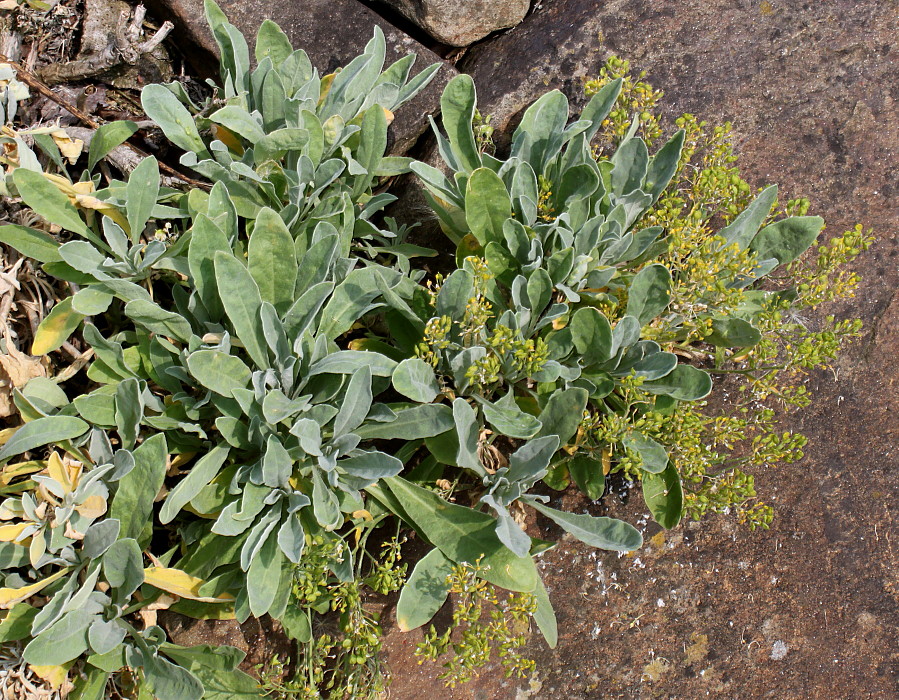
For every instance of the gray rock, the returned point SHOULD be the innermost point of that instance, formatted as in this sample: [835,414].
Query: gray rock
[332,32]
[461,22]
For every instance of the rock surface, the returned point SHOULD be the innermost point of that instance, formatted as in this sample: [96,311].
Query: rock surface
[808,609]
[332,32]
[461,23]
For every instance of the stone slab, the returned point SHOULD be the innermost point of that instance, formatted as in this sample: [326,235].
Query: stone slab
[809,608]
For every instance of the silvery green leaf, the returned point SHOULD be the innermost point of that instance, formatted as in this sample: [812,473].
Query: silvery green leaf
[129,410]
[457,108]
[277,464]
[414,378]
[241,300]
[156,319]
[649,293]
[90,301]
[83,256]
[540,135]
[100,537]
[530,461]
[309,433]
[276,406]
[563,413]
[200,474]
[41,432]
[508,419]
[62,642]
[258,535]
[104,636]
[324,503]
[123,568]
[371,466]
[468,432]
[140,195]
[653,455]
[425,592]
[603,533]
[426,420]
[292,538]
[176,122]
[746,225]
[356,402]
[137,490]
[349,361]
[218,371]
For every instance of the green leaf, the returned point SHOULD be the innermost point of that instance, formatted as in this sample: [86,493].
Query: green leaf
[787,239]
[241,300]
[348,361]
[47,201]
[206,240]
[487,206]
[507,418]
[664,496]
[61,642]
[129,410]
[733,332]
[218,371]
[464,535]
[603,533]
[414,378]
[107,137]
[157,320]
[467,433]
[43,431]
[82,256]
[176,122]
[426,420]
[170,682]
[272,260]
[273,43]
[91,301]
[91,683]
[264,575]
[663,165]
[372,144]
[587,473]
[563,413]
[123,567]
[592,335]
[216,669]
[649,293]
[239,121]
[200,474]
[356,402]
[140,195]
[654,456]
[425,592]
[31,243]
[744,228]
[545,616]
[457,106]
[350,300]
[684,383]
[133,501]
[599,106]
[17,623]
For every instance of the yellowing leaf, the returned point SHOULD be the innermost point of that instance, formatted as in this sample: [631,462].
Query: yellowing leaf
[11,471]
[69,147]
[56,328]
[606,462]
[58,471]
[11,596]
[54,675]
[180,584]
[8,533]
[86,201]
[388,115]
[6,434]
[227,137]
[92,507]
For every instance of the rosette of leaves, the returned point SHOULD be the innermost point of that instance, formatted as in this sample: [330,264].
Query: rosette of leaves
[573,280]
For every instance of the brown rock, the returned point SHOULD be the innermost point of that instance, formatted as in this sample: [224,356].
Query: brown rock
[812,92]
[332,32]
[462,23]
